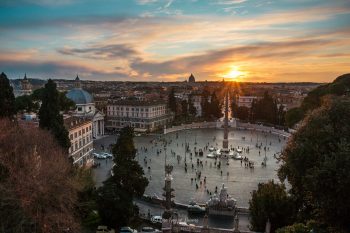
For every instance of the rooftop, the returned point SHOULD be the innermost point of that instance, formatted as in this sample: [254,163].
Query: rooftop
[137,102]
[72,122]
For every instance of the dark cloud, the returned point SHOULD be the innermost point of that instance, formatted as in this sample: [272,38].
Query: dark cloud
[52,69]
[102,52]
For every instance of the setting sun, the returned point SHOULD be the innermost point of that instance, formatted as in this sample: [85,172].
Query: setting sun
[234,74]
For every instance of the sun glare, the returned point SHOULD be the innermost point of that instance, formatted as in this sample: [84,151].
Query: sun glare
[234,74]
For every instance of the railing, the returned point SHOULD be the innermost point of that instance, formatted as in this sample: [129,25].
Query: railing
[232,124]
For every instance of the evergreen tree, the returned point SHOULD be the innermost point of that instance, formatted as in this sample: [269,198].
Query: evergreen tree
[270,203]
[49,114]
[184,108]
[191,108]
[26,103]
[172,101]
[7,99]
[215,109]
[266,110]
[205,104]
[115,197]
[242,113]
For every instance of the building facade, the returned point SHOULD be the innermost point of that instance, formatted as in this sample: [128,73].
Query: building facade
[80,136]
[246,101]
[144,116]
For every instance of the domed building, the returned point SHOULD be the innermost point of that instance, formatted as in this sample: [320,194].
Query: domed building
[191,79]
[85,107]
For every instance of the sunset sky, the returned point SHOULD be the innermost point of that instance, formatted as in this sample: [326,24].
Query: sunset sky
[166,40]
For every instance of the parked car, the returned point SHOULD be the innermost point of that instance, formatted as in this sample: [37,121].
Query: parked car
[127,230]
[107,155]
[104,229]
[99,156]
[149,230]
[157,219]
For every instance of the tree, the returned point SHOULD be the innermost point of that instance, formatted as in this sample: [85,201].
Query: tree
[49,114]
[295,228]
[316,163]
[7,99]
[65,103]
[115,197]
[86,204]
[172,101]
[205,104]
[26,103]
[38,190]
[215,107]
[234,105]
[340,86]
[293,116]
[265,109]
[242,113]
[270,202]
[184,108]
[191,108]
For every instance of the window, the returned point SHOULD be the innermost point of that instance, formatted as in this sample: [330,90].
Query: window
[71,136]
[75,135]
[79,109]
[83,131]
[79,132]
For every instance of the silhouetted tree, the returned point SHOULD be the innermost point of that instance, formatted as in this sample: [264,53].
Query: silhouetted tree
[215,108]
[49,114]
[184,108]
[265,110]
[172,101]
[7,99]
[191,108]
[242,113]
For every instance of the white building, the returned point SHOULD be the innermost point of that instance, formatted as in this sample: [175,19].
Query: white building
[85,107]
[246,101]
[80,136]
[144,116]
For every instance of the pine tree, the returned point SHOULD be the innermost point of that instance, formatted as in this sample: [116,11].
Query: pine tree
[115,197]
[172,101]
[184,108]
[215,106]
[7,99]
[191,108]
[49,114]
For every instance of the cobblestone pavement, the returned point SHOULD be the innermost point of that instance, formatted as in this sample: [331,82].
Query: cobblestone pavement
[240,180]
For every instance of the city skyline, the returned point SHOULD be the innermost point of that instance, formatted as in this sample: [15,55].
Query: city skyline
[166,40]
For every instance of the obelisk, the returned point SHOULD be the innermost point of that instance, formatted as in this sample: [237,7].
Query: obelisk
[225,150]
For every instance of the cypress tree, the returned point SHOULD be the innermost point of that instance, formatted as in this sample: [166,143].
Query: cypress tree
[172,101]
[49,114]
[7,99]
[115,197]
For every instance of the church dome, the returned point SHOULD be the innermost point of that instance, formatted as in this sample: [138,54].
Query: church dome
[79,96]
